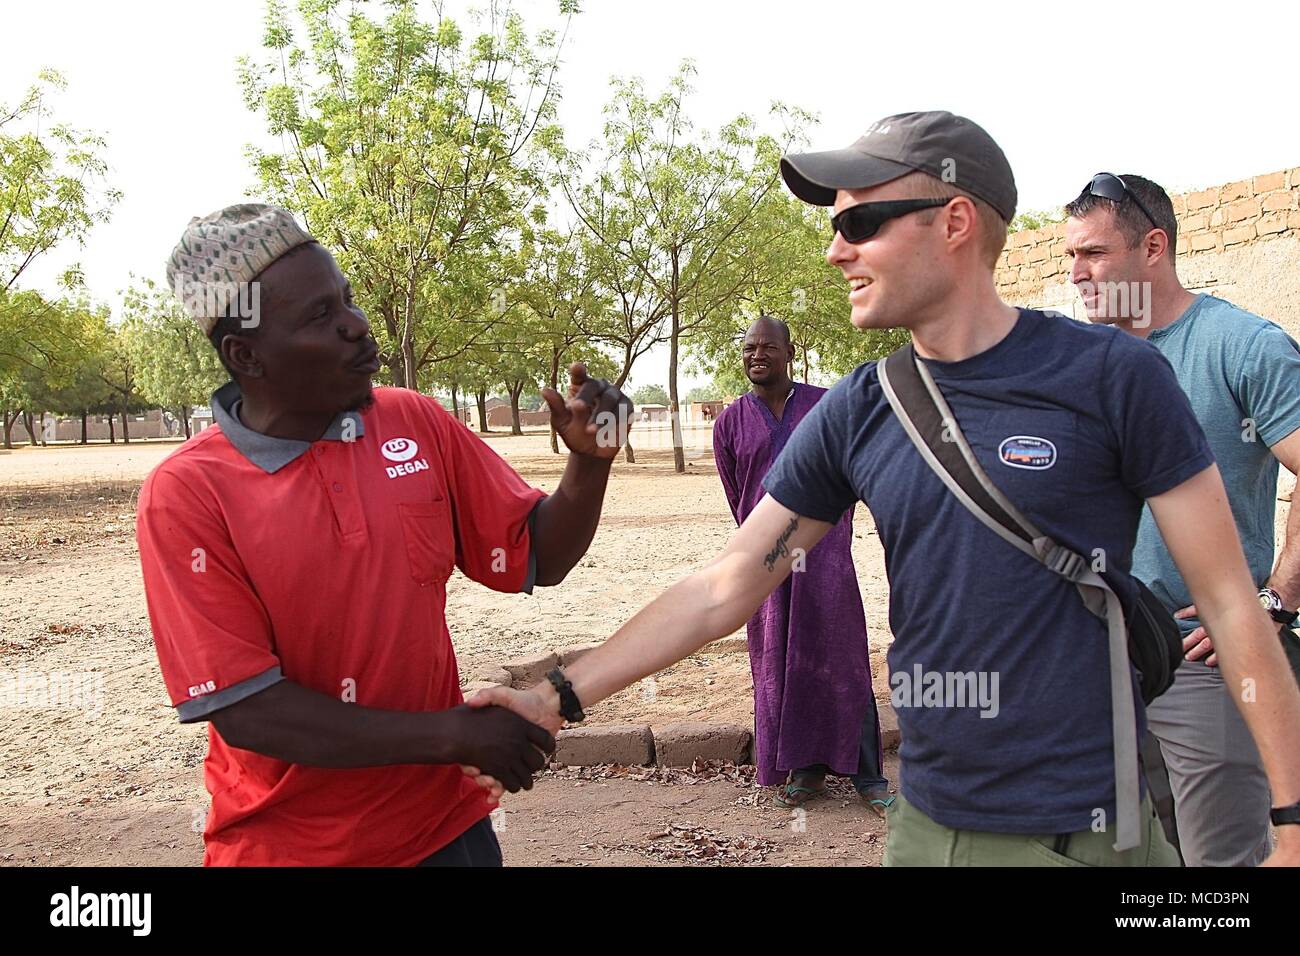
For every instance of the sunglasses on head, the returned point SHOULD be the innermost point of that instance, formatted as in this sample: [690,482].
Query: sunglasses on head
[859,223]
[1109,186]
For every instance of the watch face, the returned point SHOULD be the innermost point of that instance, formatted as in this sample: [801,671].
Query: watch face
[1270,601]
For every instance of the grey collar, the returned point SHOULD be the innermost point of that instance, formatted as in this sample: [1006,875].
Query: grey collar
[266,452]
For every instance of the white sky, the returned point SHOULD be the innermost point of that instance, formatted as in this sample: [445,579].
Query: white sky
[1189,95]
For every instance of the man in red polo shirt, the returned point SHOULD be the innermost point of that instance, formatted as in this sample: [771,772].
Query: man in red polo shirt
[295,562]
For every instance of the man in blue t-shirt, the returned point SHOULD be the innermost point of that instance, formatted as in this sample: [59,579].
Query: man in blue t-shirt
[1242,377]
[999,672]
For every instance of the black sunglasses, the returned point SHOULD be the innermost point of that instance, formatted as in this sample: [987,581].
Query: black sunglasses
[1109,186]
[859,223]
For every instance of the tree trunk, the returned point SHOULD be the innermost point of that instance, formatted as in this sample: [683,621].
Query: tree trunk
[408,364]
[126,429]
[84,415]
[396,368]
[31,428]
[185,420]
[480,399]
[112,433]
[9,424]
[408,338]
[41,418]
[455,408]
[628,454]
[554,382]
[517,389]
[679,454]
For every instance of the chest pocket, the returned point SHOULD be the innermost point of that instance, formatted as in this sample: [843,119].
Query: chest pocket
[1031,455]
[430,544]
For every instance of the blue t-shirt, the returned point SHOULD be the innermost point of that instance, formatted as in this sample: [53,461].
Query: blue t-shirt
[1242,376]
[1077,424]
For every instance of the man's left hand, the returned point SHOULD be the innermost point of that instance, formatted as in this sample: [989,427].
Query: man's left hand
[595,417]
[1197,644]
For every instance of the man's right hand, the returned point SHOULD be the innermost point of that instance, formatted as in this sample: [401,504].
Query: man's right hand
[497,742]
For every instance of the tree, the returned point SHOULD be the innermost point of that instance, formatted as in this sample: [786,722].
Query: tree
[722,387]
[636,322]
[83,390]
[562,292]
[415,152]
[673,205]
[120,371]
[650,395]
[44,366]
[790,279]
[1036,219]
[176,366]
[51,192]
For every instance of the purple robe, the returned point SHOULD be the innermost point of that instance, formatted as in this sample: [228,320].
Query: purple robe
[808,642]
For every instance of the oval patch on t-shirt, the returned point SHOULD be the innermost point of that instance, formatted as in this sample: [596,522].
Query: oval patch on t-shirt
[1027,451]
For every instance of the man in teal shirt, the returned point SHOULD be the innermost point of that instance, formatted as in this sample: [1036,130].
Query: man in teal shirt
[1242,376]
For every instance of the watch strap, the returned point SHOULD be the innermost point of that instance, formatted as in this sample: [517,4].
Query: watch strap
[1281,815]
[1272,602]
[570,708]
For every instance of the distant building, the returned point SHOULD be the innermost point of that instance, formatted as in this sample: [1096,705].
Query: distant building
[498,415]
[707,411]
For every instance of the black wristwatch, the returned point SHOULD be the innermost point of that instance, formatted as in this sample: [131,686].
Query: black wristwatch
[1281,815]
[570,709]
[1272,602]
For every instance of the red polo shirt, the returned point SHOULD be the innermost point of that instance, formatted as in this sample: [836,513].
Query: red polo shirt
[325,563]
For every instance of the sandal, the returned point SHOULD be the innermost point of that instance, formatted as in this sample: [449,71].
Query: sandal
[879,801]
[794,792]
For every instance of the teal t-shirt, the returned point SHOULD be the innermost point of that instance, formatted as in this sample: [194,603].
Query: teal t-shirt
[1242,375]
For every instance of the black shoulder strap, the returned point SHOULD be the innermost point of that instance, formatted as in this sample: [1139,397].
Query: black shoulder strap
[940,438]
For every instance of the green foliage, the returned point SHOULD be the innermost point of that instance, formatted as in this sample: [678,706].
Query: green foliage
[664,206]
[50,192]
[416,151]
[1036,219]
[176,365]
[49,175]
[650,395]
[790,279]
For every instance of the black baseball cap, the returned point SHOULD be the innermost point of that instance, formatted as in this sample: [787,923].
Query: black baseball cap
[948,147]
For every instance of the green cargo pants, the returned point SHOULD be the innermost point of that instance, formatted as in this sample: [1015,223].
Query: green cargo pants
[916,840]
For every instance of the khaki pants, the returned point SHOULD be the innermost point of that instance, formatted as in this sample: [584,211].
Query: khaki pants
[916,840]
[1221,794]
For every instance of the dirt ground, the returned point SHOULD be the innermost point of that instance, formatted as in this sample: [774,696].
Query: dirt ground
[120,782]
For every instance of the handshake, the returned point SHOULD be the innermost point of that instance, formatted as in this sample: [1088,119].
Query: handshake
[505,738]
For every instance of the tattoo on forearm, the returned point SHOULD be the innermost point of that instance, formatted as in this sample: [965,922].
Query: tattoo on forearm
[779,550]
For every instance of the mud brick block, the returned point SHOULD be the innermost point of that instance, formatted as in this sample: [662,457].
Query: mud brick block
[527,671]
[889,727]
[491,675]
[728,645]
[680,744]
[631,745]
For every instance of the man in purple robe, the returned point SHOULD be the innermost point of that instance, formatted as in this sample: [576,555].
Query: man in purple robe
[814,712]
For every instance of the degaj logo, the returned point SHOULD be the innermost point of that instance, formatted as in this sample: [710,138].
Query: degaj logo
[1027,451]
[400,449]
